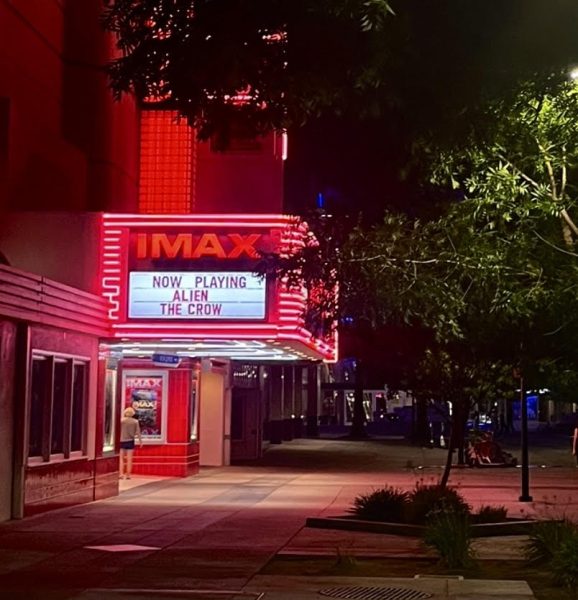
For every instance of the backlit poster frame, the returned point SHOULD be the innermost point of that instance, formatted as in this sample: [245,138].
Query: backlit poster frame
[194,408]
[109,409]
[149,387]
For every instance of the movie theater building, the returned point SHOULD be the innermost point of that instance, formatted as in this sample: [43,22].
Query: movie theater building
[159,309]
[208,352]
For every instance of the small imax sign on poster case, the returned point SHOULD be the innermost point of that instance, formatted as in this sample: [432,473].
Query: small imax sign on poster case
[166,360]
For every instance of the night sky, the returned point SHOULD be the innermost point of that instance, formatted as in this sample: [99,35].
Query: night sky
[446,56]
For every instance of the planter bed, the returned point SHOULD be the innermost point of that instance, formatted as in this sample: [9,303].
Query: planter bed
[347,523]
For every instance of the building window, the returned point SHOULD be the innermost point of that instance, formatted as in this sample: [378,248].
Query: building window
[58,401]
[59,405]
[4,133]
[41,382]
[78,420]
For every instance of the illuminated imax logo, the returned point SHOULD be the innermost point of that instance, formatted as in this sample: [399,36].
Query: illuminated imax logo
[188,245]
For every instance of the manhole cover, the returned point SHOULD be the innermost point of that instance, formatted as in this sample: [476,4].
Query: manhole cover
[374,593]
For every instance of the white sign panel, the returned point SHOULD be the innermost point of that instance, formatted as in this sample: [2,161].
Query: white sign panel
[196,295]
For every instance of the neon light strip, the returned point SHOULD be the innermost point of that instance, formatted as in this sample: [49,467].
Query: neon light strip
[213,216]
[329,354]
[181,325]
[203,224]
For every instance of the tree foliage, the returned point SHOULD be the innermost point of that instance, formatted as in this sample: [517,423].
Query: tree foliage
[264,64]
[502,257]
[495,277]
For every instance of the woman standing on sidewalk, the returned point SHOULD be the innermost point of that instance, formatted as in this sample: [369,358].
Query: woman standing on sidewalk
[129,431]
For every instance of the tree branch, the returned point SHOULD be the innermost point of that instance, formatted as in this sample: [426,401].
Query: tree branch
[564,173]
[554,245]
[564,214]
[519,171]
[550,170]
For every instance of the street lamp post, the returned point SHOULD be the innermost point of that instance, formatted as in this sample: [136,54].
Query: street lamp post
[525,496]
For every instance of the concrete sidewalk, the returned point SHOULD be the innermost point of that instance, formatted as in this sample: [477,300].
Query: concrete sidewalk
[217,530]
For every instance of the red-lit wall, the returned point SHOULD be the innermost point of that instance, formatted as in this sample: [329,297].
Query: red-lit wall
[179,174]
[61,246]
[64,143]
[248,178]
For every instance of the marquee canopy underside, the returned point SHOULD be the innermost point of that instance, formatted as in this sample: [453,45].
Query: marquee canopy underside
[234,349]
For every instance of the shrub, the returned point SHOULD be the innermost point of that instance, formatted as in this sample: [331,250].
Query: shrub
[490,514]
[385,504]
[546,538]
[448,532]
[564,564]
[425,499]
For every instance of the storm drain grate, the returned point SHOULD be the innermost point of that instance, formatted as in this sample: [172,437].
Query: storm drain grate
[374,593]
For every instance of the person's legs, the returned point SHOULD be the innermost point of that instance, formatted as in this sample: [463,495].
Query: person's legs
[129,454]
[121,465]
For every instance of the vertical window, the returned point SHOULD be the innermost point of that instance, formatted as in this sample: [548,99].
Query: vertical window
[58,397]
[59,402]
[4,134]
[39,401]
[77,429]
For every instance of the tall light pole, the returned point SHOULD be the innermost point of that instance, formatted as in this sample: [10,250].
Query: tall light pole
[525,495]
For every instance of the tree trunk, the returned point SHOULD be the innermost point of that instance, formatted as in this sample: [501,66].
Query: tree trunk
[421,433]
[458,422]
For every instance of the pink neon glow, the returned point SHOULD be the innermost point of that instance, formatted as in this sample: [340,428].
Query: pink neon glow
[194,326]
[290,303]
[284,145]
[122,219]
[217,216]
[264,225]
